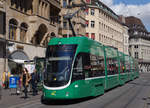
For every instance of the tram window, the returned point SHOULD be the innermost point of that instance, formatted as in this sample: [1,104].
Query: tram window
[127,66]
[93,61]
[97,66]
[78,68]
[86,65]
[112,66]
[122,67]
[116,66]
[101,65]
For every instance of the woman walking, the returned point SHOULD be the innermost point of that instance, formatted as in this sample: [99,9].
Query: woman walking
[25,81]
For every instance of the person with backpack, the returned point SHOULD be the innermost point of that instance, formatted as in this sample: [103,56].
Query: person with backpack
[34,82]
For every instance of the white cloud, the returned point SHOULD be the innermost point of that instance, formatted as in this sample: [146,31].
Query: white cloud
[141,11]
[107,2]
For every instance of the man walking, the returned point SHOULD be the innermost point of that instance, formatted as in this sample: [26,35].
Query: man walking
[34,81]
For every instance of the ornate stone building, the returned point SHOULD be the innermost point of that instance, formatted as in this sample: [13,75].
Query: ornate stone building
[2,36]
[103,25]
[139,42]
[29,25]
[70,7]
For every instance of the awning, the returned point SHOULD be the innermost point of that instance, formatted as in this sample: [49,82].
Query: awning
[18,61]
[18,56]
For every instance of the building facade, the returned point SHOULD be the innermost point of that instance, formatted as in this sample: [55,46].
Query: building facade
[125,35]
[125,40]
[29,26]
[103,25]
[70,7]
[2,36]
[139,42]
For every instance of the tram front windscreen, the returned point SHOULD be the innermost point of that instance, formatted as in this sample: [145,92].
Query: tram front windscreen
[59,60]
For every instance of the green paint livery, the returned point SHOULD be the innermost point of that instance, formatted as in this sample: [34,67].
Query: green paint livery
[94,69]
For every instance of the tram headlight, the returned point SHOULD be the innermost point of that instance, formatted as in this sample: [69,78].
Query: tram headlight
[76,86]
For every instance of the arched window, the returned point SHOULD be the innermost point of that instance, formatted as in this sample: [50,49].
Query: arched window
[39,35]
[12,29]
[45,43]
[23,30]
[13,2]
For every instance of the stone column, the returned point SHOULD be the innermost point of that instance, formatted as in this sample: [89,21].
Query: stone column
[18,34]
[43,9]
[40,9]
[36,7]
[48,11]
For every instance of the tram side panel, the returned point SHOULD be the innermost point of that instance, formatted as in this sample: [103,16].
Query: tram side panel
[123,76]
[112,76]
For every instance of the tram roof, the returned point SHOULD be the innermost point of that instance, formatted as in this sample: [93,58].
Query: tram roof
[72,40]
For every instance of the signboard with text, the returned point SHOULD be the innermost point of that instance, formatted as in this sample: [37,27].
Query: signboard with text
[13,82]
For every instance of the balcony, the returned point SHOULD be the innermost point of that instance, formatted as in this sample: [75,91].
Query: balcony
[56,3]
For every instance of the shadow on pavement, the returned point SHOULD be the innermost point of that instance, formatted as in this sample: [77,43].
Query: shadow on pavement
[65,102]
[139,84]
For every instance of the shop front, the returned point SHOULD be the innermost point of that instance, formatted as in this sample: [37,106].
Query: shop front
[16,62]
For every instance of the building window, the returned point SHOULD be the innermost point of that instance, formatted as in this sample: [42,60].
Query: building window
[87,23]
[88,1]
[2,22]
[93,36]
[136,55]
[136,46]
[92,24]
[136,40]
[87,34]
[40,35]
[22,5]
[99,37]
[12,29]
[65,25]
[135,32]
[86,11]
[92,11]
[23,30]
[64,3]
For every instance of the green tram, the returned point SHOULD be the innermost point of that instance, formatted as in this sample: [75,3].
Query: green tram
[78,67]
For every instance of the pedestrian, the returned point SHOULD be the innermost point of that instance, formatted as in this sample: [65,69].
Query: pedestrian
[25,78]
[5,79]
[34,82]
[19,84]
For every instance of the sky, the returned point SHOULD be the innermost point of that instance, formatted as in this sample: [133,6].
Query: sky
[137,8]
